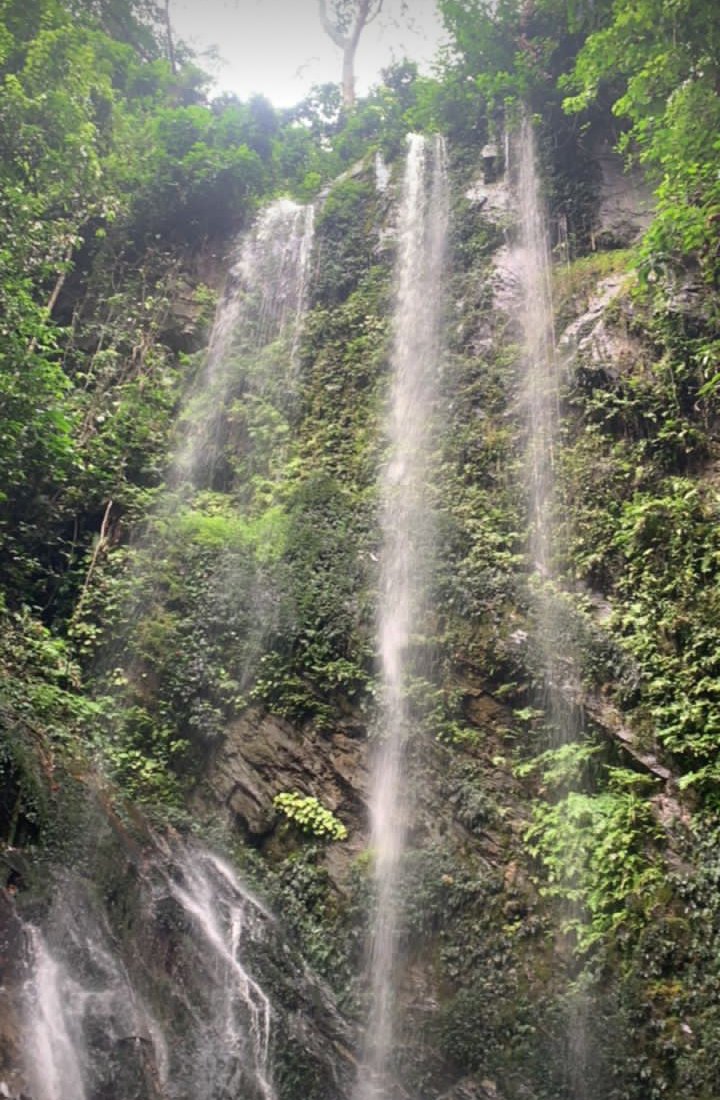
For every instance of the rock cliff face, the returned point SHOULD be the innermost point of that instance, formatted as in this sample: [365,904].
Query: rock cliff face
[149,970]
[261,754]
[625,202]
[544,929]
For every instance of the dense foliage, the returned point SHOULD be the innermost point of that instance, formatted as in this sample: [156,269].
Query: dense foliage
[141,615]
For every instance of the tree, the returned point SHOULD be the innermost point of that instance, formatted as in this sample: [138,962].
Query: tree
[659,65]
[344,21]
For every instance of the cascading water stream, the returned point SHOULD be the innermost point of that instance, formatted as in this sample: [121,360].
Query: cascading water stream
[541,377]
[233,432]
[557,661]
[264,300]
[558,667]
[54,1048]
[84,1013]
[234,1050]
[406,533]
[81,1008]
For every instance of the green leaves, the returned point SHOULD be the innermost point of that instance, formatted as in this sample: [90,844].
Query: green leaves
[660,63]
[310,815]
[669,618]
[594,849]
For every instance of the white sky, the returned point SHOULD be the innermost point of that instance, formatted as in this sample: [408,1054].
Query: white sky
[279,49]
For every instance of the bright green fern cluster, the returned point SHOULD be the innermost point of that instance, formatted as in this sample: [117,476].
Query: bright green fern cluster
[310,815]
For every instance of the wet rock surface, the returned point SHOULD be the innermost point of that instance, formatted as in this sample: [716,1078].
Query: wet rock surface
[157,975]
[12,973]
[262,755]
[472,1089]
[625,201]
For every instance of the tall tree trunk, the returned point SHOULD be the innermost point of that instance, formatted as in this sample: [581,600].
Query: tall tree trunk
[366,11]
[348,75]
[169,34]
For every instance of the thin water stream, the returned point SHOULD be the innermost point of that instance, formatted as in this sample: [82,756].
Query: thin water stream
[85,1010]
[541,374]
[83,1015]
[89,1034]
[406,528]
[54,1045]
[232,1039]
[557,660]
[263,301]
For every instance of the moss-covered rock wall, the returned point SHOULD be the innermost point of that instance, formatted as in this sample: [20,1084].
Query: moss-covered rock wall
[209,651]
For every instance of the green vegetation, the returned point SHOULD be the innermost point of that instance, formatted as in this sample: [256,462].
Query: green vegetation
[310,815]
[659,65]
[591,847]
[141,617]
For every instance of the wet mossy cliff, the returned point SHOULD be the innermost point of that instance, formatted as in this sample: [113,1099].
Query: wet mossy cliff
[207,673]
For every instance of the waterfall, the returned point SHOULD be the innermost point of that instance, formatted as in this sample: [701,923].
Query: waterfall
[54,1048]
[81,1010]
[172,1002]
[263,302]
[88,1031]
[382,174]
[196,952]
[406,529]
[557,663]
[557,660]
[541,377]
[234,430]
[232,1035]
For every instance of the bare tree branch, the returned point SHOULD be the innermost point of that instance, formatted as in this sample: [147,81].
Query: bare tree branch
[329,27]
[169,36]
[373,15]
[100,546]
[365,12]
